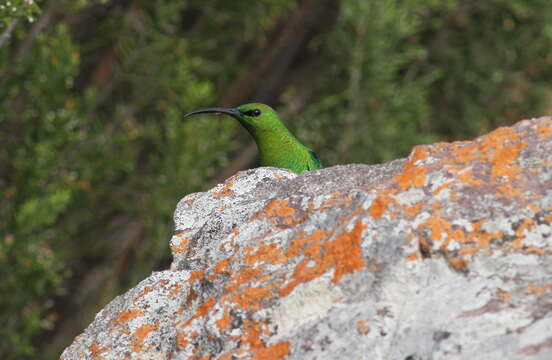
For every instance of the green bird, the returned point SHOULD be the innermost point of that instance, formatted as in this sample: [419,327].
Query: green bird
[277,145]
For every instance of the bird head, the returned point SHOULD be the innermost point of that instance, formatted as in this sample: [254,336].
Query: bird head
[254,117]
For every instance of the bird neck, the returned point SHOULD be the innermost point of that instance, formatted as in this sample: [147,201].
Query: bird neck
[275,145]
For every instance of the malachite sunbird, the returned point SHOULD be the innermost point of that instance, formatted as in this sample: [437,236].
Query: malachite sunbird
[277,145]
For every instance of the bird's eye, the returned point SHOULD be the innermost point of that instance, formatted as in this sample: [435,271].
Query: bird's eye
[254,112]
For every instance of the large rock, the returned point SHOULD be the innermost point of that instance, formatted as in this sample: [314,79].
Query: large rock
[444,255]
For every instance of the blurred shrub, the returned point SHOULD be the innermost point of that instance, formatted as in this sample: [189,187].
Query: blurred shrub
[95,153]
[402,73]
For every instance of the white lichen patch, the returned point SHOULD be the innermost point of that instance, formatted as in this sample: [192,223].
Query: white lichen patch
[305,303]
[500,224]
[539,236]
[410,197]
[464,224]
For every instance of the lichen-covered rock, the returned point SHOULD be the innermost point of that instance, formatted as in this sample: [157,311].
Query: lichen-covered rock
[444,255]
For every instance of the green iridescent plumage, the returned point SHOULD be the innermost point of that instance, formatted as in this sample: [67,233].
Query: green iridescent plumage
[277,145]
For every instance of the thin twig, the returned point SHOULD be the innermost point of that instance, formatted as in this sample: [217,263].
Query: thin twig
[23,49]
[6,34]
[43,22]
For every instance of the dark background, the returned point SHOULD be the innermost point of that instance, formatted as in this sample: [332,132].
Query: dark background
[95,154]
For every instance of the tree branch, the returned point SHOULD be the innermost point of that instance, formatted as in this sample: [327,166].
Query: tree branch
[6,34]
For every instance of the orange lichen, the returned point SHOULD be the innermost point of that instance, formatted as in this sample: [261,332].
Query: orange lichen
[267,253]
[411,176]
[438,227]
[508,191]
[175,289]
[440,188]
[343,254]
[414,209]
[420,153]
[231,355]
[181,340]
[458,264]
[380,205]
[544,131]
[464,152]
[346,251]
[363,329]
[483,238]
[182,246]
[274,352]
[534,250]
[526,225]
[242,277]
[335,200]
[467,177]
[503,294]
[279,212]
[194,275]
[537,290]
[140,334]
[129,314]
[252,297]
[201,311]
[498,138]
[503,159]
[144,291]
[412,257]
[444,233]
[258,348]
[224,322]
[95,350]
[222,266]
[226,191]
[308,245]
[252,343]
[279,208]
[496,147]
[467,251]
[459,236]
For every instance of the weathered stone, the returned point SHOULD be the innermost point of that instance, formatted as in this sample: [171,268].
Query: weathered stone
[444,255]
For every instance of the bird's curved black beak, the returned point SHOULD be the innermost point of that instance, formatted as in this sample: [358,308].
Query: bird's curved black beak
[218,110]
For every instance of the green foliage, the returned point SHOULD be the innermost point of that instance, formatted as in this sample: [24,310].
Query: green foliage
[499,71]
[17,9]
[95,153]
[419,71]
[37,187]
[378,111]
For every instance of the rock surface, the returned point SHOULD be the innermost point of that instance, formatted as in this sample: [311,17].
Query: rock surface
[444,255]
